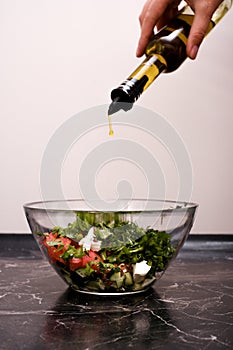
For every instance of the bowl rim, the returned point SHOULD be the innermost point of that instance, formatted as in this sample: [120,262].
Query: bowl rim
[177,205]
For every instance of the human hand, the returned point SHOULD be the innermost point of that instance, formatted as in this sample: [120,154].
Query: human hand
[159,12]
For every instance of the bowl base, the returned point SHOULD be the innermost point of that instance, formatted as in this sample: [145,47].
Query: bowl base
[110,294]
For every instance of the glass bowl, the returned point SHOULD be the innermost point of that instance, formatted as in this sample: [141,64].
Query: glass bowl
[113,247]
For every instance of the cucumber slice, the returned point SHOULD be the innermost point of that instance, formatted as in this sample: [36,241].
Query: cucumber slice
[97,285]
[117,279]
[82,272]
[128,279]
[115,276]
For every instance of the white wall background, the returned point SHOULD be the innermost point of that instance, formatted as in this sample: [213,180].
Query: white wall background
[60,57]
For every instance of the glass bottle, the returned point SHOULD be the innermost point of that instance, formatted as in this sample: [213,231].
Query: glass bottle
[164,53]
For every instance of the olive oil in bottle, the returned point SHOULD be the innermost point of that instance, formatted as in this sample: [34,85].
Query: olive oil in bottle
[164,54]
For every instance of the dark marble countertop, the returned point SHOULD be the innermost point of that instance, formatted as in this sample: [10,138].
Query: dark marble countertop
[190,307]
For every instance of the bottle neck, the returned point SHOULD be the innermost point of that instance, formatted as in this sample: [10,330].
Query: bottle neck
[129,91]
[153,65]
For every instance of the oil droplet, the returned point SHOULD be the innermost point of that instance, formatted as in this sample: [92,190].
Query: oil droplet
[111,132]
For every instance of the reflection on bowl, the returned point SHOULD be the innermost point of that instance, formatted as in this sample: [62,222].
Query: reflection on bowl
[110,248]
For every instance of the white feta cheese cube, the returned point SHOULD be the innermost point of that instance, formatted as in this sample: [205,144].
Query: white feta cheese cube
[140,270]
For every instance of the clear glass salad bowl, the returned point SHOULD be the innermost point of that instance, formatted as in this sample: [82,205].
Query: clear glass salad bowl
[110,247]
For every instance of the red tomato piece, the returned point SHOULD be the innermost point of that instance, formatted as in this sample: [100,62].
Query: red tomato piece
[76,263]
[55,252]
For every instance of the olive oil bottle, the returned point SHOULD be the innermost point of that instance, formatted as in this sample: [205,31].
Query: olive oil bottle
[164,54]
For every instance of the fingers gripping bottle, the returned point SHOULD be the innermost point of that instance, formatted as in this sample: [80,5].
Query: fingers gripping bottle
[164,53]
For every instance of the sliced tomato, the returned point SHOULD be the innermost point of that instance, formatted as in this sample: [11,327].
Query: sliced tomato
[77,263]
[55,252]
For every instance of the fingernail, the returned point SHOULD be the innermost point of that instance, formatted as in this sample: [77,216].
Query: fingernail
[194,51]
[138,51]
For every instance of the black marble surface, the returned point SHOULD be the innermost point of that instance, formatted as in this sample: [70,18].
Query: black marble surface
[190,307]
